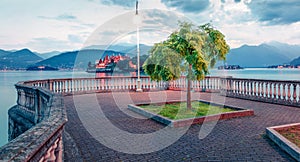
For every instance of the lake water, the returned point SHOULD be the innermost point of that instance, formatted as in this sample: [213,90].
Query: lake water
[8,79]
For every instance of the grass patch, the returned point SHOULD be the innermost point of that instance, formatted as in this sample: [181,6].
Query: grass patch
[179,111]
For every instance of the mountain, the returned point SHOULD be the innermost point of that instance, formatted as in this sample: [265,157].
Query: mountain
[129,49]
[77,59]
[296,62]
[19,59]
[2,52]
[291,51]
[49,54]
[256,56]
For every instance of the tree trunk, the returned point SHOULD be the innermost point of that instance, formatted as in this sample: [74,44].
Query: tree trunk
[188,97]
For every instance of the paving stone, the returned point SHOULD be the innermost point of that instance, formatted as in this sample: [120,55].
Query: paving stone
[239,139]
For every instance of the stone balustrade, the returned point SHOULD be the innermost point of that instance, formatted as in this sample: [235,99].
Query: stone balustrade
[209,84]
[36,125]
[86,85]
[271,91]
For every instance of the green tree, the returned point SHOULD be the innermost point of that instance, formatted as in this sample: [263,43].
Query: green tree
[190,51]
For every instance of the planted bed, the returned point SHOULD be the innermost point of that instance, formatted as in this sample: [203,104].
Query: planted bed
[176,114]
[287,138]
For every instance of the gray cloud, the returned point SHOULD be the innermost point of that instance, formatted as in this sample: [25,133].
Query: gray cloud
[126,3]
[276,11]
[63,17]
[191,6]
[66,17]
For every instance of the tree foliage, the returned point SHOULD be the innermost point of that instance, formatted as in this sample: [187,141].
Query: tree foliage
[190,50]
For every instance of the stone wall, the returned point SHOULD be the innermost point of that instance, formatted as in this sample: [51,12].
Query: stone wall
[36,126]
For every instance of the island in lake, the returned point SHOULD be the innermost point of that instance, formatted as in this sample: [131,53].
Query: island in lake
[230,67]
[41,68]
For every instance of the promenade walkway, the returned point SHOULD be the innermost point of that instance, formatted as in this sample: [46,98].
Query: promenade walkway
[239,139]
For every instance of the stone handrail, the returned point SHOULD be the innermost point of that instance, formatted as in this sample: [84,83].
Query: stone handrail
[86,85]
[272,91]
[42,113]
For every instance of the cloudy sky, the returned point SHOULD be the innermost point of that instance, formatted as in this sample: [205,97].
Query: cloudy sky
[44,25]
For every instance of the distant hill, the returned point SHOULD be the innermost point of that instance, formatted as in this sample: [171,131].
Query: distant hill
[49,54]
[2,52]
[129,49]
[19,59]
[256,56]
[291,51]
[296,62]
[76,59]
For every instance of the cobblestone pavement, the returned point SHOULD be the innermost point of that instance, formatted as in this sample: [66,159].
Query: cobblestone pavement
[239,139]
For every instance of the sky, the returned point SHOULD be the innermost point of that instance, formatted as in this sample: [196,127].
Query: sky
[66,25]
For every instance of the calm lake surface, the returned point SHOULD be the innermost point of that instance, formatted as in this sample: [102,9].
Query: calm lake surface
[8,79]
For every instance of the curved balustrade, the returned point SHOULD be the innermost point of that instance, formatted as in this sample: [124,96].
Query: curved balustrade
[272,91]
[36,125]
[208,84]
[85,85]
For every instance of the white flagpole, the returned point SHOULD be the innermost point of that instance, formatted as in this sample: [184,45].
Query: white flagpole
[139,89]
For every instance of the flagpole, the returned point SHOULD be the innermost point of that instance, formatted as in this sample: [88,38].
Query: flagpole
[138,89]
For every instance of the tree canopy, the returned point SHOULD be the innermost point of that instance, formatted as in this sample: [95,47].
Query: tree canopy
[190,50]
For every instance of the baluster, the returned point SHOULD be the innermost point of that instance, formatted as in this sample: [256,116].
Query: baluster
[238,87]
[271,91]
[88,85]
[284,93]
[231,87]
[62,86]
[246,88]
[250,88]
[279,91]
[243,87]
[289,93]
[295,93]
[257,89]
[268,90]
[149,83]
[260,89]
[110,84]
[276,91]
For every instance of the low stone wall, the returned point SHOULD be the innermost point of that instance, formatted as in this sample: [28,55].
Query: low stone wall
[47,115]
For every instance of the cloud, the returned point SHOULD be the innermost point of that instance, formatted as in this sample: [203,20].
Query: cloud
[192,6]
[126,3]
[62,17]
[66,17]
[276,11]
